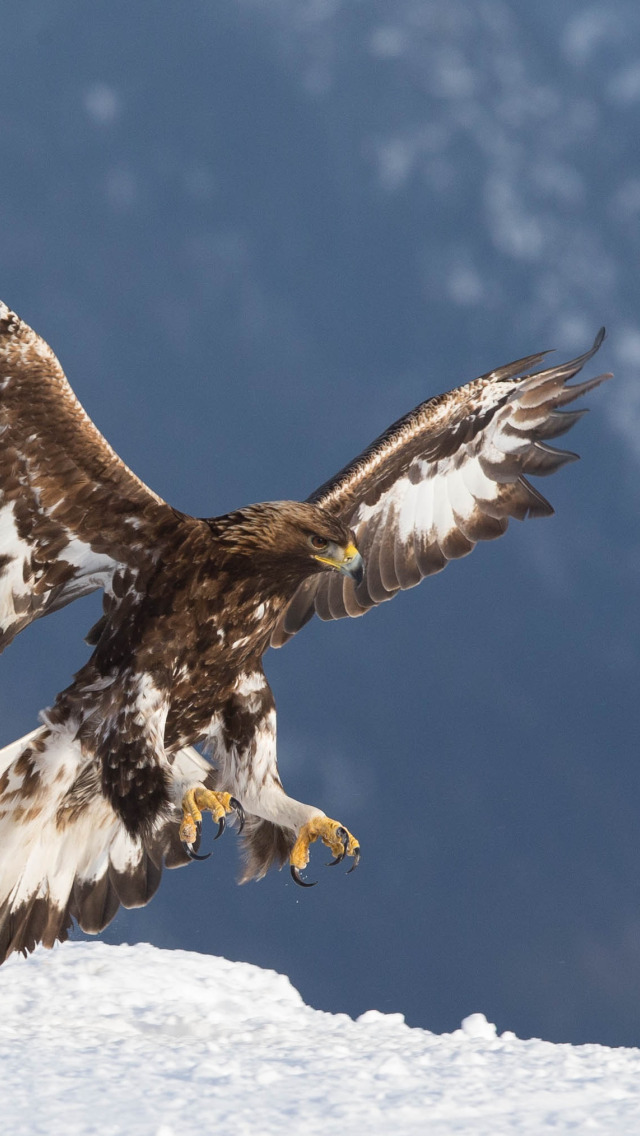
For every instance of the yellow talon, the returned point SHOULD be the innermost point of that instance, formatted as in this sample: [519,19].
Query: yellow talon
[197,799]
[330,832]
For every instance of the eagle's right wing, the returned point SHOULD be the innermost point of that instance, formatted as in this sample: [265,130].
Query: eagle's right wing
[72,515]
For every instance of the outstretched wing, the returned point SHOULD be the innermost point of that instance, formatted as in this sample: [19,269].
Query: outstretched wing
[450,473]
[71,512]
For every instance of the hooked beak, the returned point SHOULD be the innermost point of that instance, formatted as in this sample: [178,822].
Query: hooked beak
[349,563]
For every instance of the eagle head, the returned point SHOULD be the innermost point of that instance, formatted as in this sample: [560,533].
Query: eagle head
[292,539]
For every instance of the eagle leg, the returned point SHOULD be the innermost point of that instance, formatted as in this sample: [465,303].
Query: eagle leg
[330,832]
[194,801]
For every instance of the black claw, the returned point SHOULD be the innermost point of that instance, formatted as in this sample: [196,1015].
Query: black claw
[356,861]
[297,878]
[191,854]
[235,804]
[221,827]
[193,849]
[342,835]
[196,843]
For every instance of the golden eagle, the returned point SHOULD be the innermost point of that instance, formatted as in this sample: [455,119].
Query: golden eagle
[110,787]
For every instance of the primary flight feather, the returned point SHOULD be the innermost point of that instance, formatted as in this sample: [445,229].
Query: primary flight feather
[110,788]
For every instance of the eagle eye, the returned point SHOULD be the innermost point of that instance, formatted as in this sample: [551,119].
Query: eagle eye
[318,542]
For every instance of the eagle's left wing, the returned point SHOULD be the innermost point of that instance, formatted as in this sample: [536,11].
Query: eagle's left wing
[448,474]
[72,515]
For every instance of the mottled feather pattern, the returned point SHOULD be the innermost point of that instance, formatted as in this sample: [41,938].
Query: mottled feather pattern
[71,512]
[447,475]
[65,852]
[91,802]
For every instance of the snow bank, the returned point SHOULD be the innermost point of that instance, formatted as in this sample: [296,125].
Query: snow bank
[144,1042]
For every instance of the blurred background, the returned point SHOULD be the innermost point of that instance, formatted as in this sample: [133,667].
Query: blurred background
[258,231]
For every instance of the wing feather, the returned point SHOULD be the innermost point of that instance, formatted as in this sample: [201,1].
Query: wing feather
[447,475]
[71,512]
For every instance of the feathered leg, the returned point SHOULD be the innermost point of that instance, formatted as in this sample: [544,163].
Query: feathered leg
[243,742]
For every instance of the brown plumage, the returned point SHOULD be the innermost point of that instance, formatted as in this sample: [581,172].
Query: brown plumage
[91,802]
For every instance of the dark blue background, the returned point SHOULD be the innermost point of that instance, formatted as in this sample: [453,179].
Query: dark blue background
[256,233]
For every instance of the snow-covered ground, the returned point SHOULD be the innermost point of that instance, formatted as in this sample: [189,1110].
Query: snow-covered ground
[145,1042]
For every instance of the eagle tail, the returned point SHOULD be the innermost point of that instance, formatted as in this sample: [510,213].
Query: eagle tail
[64,853]
[264,845]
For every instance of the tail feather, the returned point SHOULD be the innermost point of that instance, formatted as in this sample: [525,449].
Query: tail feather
[264,845]
[137,881]
[94,903]
[66,856]
[24,925]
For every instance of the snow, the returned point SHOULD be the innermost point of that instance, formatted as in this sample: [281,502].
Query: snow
[146,1042]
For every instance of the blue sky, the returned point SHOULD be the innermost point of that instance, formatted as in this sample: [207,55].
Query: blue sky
[256,234]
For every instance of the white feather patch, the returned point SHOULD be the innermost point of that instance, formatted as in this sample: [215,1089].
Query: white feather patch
[12,580]
[96,568]
[483,488]
[461,499]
